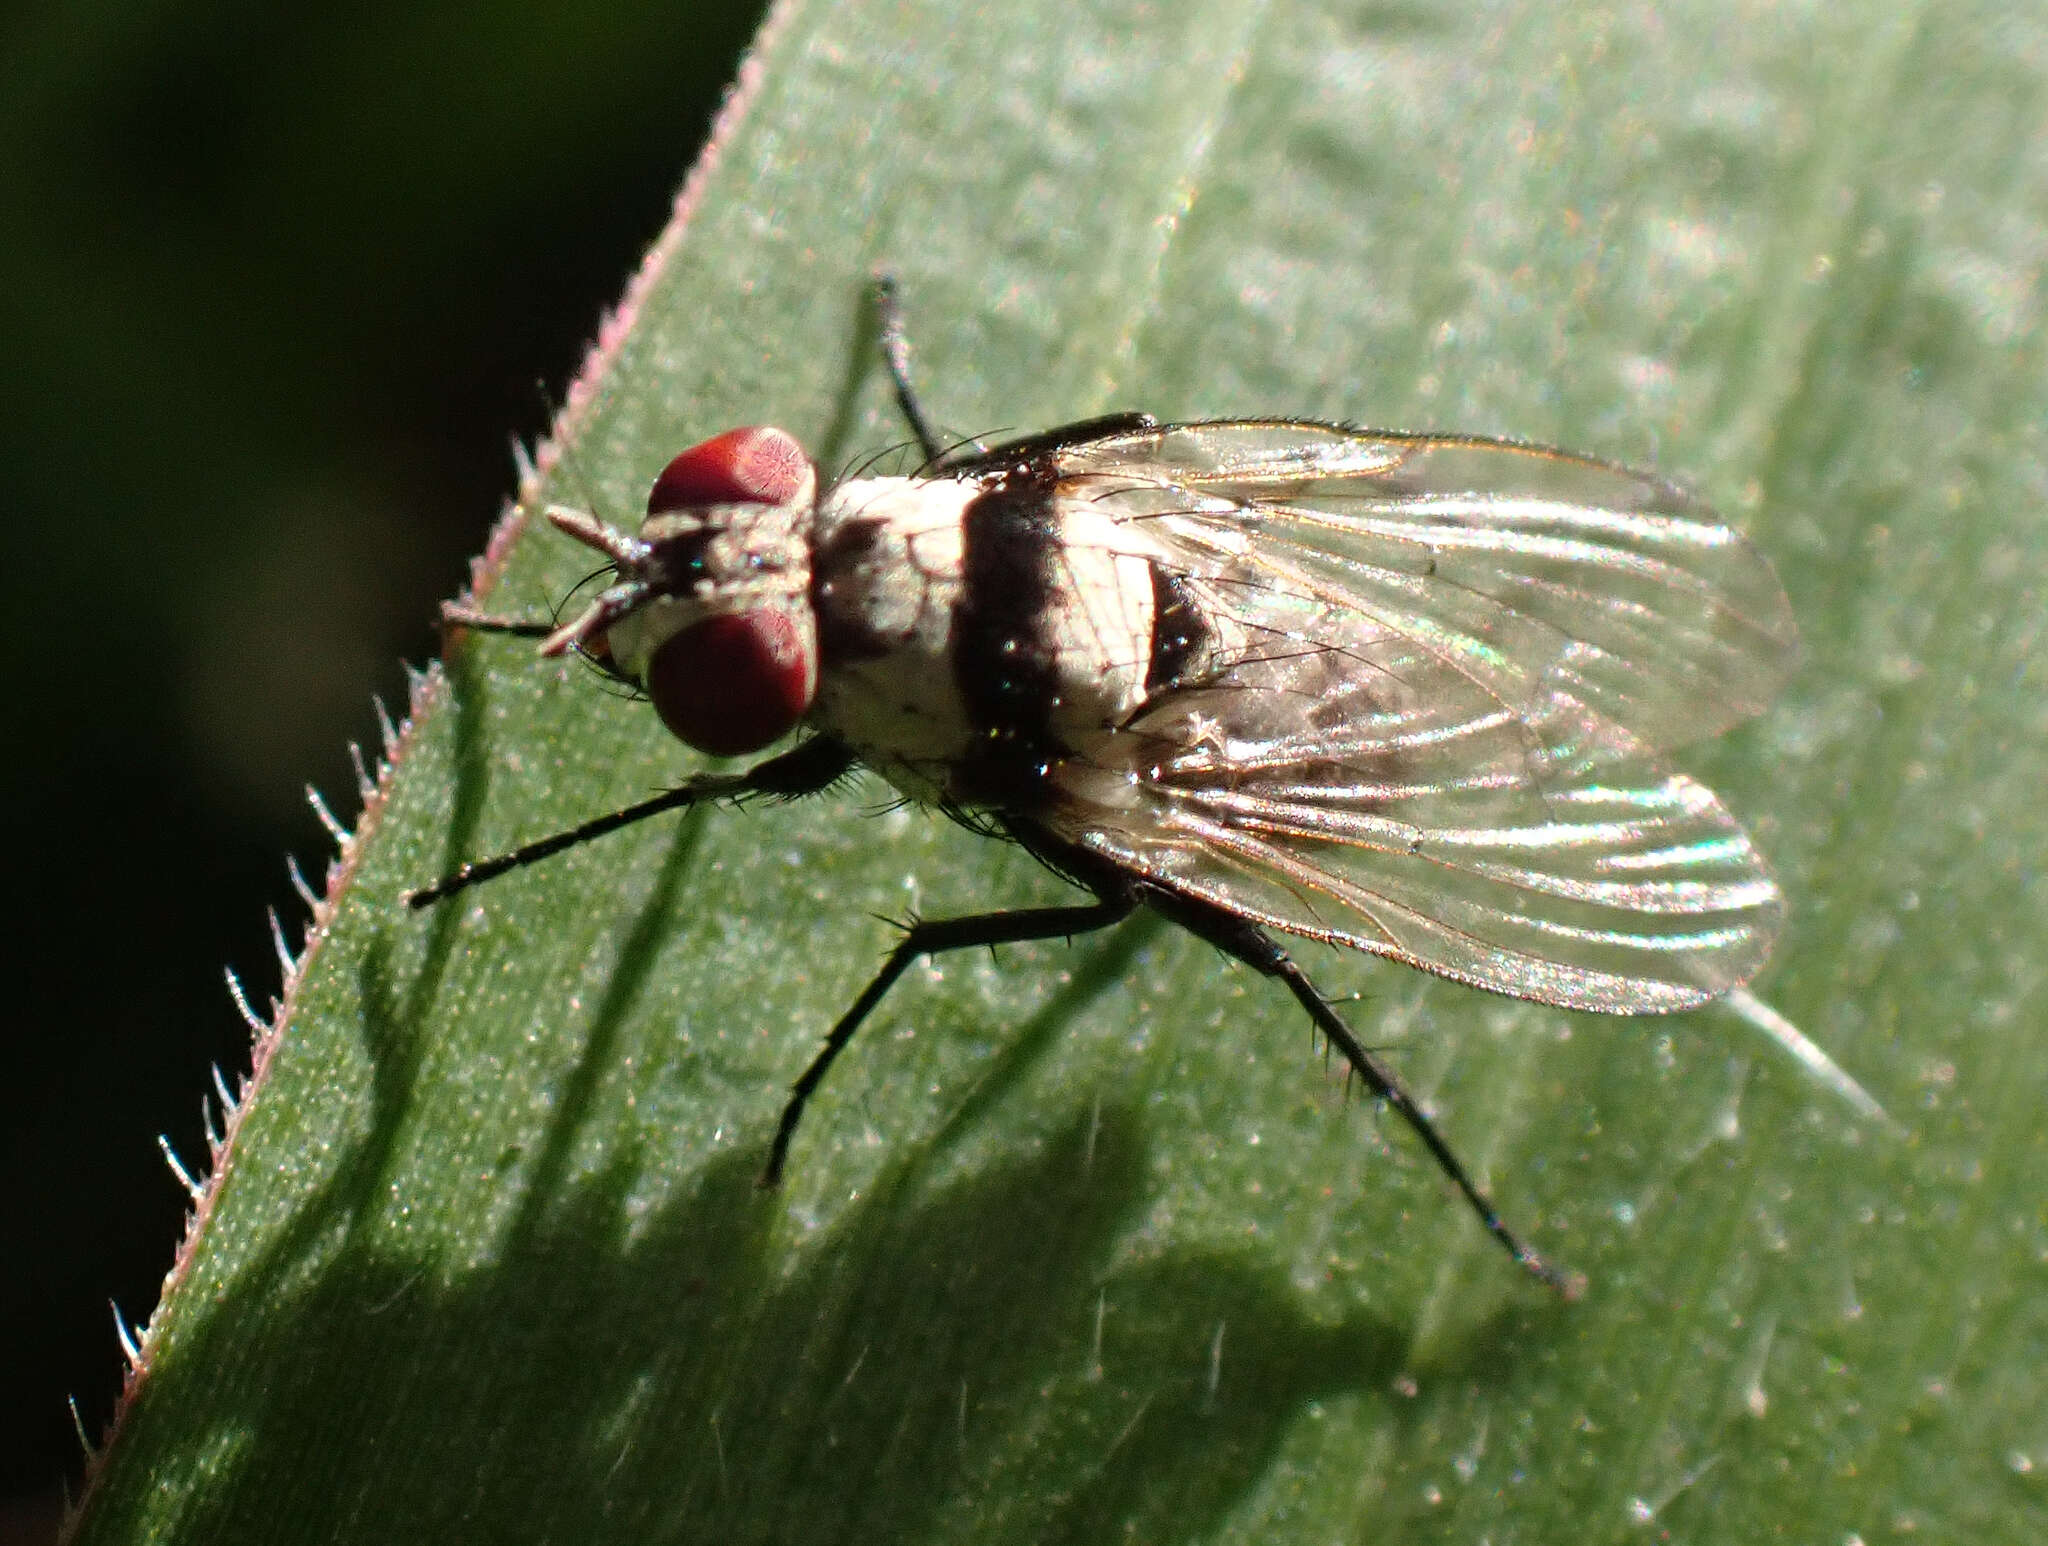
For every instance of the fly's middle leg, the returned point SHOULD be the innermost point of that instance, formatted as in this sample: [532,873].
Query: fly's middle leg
[896,356]
[929,939]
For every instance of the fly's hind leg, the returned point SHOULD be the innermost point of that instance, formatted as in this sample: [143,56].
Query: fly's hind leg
[1247,942]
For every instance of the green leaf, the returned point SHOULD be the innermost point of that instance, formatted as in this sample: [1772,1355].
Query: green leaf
[1086,1242]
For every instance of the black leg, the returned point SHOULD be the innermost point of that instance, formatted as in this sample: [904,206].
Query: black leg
[972,454]
[815,765]
[930,939]
[1252,945]
[896,355]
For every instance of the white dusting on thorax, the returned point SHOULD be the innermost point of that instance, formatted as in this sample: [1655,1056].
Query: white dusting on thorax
[892,697]
[887,606]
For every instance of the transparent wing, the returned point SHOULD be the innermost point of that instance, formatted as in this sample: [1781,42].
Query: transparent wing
[1425,713]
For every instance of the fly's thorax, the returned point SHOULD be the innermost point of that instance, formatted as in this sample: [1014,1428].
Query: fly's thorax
[975,634]
[885,586]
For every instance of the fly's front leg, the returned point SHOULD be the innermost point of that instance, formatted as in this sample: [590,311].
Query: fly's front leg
[1245,940]
[930,939]
[817,764]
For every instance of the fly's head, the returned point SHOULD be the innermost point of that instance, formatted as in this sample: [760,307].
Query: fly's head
[709,606]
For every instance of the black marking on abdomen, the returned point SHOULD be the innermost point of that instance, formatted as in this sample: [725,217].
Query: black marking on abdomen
[1180,632]
[1005,659]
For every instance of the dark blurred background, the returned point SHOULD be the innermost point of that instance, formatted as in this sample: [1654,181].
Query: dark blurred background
[279,287]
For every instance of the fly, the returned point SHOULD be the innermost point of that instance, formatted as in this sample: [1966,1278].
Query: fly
[1405,693]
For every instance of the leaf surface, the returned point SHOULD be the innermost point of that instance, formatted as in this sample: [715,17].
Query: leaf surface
[1086,1240]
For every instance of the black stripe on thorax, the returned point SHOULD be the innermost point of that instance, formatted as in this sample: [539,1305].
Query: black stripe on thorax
[1005,658]
[844,634]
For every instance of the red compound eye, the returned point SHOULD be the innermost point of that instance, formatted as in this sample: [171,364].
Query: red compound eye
[732,684]
[743,466]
